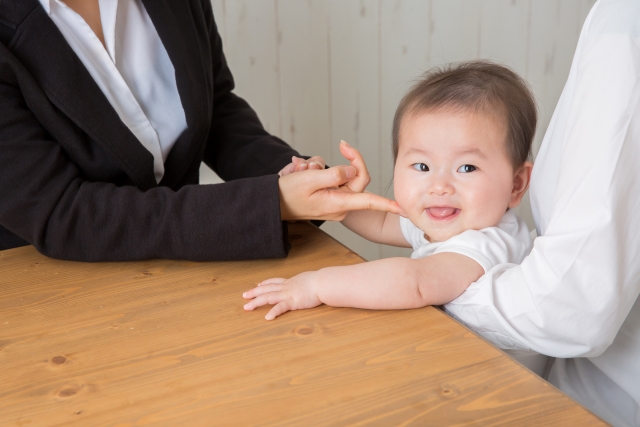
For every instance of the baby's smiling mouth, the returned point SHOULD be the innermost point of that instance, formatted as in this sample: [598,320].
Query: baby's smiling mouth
[442,213]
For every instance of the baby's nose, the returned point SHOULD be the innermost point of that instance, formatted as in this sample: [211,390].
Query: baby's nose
[441,185]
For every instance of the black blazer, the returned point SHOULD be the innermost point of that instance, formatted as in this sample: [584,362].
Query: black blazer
[77,184]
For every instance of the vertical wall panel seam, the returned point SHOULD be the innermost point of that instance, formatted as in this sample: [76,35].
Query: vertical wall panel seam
[330,88]
[479,39]
[224,19]
[278,66]
[429,32]
[380,137]
[528,47]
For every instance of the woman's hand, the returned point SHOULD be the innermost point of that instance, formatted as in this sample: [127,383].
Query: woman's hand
[298,164]
[330,194]
[284,294]
[358,183]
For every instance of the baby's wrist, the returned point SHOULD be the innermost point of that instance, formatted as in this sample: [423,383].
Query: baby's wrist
[312,281]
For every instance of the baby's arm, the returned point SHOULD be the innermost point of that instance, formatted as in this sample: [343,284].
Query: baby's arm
[376,226]
[393,283]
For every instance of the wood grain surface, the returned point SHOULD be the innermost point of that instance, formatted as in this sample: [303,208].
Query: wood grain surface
[167,343]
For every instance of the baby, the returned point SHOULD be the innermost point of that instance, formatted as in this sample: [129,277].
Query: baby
[461,140]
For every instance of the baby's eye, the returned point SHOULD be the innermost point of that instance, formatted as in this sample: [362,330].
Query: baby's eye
[466,168]
[421,167]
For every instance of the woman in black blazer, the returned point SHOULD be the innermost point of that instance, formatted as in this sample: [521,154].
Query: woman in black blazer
[77,184]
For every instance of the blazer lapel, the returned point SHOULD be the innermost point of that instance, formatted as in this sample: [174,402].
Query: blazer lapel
[185,45]
[46,55]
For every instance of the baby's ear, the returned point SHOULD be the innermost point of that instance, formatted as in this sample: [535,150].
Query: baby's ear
[521,180]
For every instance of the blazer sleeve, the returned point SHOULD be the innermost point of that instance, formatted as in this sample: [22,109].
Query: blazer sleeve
[46,201]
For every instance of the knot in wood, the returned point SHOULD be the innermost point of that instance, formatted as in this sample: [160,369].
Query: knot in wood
[58,360]
[304,330]
[68,391]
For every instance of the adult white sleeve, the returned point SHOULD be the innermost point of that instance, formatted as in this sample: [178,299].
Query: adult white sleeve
[571,295]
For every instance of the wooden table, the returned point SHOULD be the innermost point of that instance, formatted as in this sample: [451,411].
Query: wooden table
[167,343]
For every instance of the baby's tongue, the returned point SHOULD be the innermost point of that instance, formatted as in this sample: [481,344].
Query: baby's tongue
[442,212]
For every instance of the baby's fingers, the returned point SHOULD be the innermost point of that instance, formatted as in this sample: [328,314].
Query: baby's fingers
[314,163]
[287,170]
[258,301]
[272,280]
[282,307]
[254,303]
[261,290]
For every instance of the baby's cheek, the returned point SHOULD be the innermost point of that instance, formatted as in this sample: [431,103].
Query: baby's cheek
[408,204]
[405,194]
[488,215]
[406,207]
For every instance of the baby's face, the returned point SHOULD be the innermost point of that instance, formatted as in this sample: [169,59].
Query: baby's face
[453,172]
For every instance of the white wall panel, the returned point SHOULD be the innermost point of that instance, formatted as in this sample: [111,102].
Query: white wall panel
[407,27]
[354,59]
[251,48]
[505,29]
[456,34]
[555,28]
[219,13]
[504,33]
[303,54]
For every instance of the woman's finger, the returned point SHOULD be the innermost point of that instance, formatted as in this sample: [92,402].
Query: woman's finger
[316,160]
[332,177]
[315,180]
[362,178]
[294,166]
[278,309]
[367,201]
[314,163]
[312,195]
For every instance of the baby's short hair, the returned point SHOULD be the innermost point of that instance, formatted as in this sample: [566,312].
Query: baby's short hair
[477,86]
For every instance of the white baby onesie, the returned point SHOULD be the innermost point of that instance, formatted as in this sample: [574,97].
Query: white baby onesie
[508,242]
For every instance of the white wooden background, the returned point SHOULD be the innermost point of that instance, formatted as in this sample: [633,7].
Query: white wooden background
[318,71]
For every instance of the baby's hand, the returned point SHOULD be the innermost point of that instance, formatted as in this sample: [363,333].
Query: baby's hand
[298,164]
[295,293]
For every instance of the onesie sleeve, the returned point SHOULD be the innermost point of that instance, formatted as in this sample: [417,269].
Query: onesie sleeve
[507,243]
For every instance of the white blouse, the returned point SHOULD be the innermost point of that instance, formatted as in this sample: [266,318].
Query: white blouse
[575,297]
[134,72]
